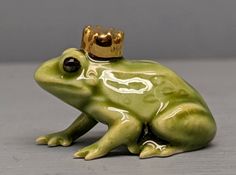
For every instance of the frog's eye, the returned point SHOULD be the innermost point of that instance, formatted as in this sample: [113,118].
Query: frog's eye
[71,64]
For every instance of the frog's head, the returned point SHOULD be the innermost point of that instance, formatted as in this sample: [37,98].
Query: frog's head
[72,76]
[67,77]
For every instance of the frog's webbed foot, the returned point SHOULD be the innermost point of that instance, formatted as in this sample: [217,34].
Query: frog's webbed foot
[151,148]
[55,139]
[91,152]
[66,137]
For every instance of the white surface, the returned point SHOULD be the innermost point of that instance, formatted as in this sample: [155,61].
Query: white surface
[26,111]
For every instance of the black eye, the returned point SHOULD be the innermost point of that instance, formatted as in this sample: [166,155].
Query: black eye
[71,64]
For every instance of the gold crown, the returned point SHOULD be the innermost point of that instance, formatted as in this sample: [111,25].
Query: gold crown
[102,43]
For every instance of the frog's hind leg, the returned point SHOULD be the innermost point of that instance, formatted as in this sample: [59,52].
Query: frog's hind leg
[185,127]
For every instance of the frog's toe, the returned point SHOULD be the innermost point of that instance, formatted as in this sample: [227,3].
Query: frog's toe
[150,150]
[53,142]
[90,152]
[94,154]
[147,152]
[65,142]
[134,148]
[81,153]
[42,140]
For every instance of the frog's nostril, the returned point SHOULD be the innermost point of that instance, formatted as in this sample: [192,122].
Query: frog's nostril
[38,76]
[41,74]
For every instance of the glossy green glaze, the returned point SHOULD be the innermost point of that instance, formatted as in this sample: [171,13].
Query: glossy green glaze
[145,105]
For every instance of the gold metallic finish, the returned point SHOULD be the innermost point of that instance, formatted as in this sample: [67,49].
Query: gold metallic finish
[102,42]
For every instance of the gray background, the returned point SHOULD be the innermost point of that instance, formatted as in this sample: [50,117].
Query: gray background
[33,30]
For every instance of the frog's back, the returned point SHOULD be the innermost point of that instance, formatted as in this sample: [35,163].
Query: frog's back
[144,87]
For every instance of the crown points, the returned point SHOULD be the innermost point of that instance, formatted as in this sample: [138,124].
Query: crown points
[102,42]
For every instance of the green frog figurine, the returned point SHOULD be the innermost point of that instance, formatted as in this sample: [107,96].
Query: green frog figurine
[146,106]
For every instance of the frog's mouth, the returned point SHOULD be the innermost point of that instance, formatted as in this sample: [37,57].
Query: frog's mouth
[68,93]
[59,88]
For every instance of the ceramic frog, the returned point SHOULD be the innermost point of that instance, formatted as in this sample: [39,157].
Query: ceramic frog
[145,105]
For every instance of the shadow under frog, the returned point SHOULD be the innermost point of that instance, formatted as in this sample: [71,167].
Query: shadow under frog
[146,106]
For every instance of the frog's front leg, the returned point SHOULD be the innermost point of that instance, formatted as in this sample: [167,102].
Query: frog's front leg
[66,137]
[123,129]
